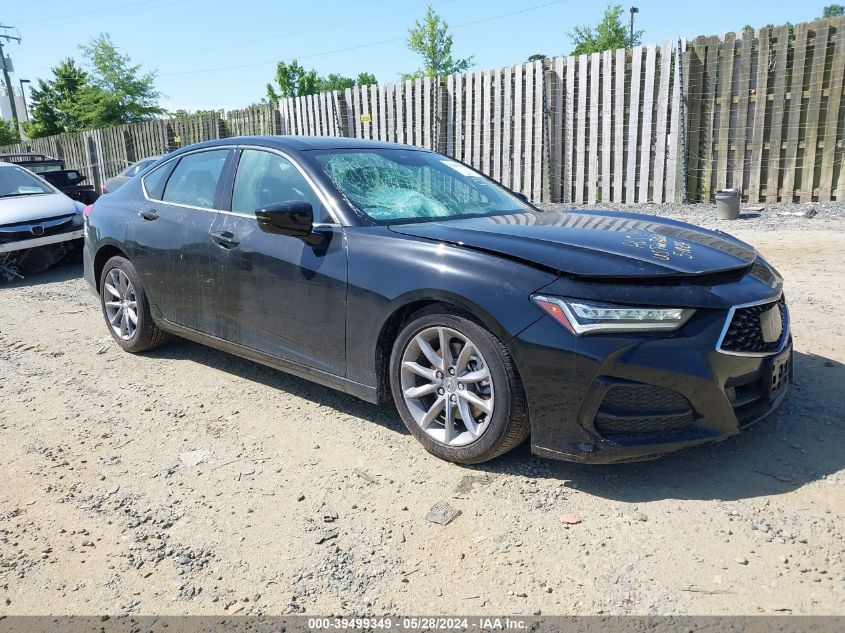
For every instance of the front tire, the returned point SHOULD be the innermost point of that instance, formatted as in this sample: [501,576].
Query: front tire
[456,387]
[126,308]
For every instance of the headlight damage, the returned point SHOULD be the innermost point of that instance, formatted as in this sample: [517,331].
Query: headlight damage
[581,317]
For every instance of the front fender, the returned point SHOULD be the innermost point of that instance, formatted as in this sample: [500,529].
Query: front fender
[388,272]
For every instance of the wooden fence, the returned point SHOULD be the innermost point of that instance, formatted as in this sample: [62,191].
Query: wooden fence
[765,113]
[758,111]
[101,154]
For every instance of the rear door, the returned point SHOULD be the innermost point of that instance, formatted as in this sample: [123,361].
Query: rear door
[171,240]
[281,295]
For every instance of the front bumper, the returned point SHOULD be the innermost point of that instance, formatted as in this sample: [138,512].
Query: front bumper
[628,397]
[35,242]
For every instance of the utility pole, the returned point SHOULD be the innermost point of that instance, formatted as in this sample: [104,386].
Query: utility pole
[631,36]
[8,38]
[23,96]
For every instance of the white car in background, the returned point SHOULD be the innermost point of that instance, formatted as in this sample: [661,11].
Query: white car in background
[34,215]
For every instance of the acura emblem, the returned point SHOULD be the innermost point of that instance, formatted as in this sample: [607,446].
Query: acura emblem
[37,230]
[771,324]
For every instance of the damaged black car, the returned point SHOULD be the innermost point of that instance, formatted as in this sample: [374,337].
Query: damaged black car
[398,274]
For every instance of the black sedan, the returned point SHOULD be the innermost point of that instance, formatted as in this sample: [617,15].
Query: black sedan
[391,272]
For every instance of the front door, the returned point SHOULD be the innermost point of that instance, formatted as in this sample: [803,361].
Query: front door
[281,295]
[171,240]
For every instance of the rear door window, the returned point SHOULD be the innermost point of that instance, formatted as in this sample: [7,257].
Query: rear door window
[195,180]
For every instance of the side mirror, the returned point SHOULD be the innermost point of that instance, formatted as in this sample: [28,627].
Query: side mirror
[294,218]
[522,197]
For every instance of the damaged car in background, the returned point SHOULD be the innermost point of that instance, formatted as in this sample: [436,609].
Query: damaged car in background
[39,225]
[68,181]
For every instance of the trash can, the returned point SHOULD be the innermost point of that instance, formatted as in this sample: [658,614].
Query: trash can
[727,204]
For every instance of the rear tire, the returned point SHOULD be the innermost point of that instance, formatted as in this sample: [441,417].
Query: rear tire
[468,407]
[126,308]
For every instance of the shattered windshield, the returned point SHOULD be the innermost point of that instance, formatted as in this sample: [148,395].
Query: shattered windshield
[396,185]
[14,181]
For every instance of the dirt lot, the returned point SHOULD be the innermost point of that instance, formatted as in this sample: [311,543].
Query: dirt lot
[100,514]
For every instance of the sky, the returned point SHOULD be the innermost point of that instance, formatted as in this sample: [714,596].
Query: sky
[210,54]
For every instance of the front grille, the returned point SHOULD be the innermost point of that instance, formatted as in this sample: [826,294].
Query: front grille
[745,334]
[51,226]
[642,410]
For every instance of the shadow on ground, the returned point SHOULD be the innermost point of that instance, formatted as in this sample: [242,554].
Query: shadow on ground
[63,271]
[798,444]
[183,349]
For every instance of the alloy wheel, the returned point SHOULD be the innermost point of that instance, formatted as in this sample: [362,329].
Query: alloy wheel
[447,386]
[121,304]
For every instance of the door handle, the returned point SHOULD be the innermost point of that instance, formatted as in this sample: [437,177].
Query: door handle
[148,214]
[225,239]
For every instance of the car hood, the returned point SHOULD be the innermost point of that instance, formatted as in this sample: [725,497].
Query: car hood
[22,209]
[594,243]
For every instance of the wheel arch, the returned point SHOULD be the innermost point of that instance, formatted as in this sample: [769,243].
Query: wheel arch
[104,254]
[398,313]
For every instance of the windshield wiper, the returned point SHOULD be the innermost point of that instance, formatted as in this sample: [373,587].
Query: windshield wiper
[18,195]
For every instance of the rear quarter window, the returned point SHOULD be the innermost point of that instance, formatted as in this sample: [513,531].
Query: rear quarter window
[155,180]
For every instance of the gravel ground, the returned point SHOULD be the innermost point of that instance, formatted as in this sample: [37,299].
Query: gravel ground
[190,481]
[827,216]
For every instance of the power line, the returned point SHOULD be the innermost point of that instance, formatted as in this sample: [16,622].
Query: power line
[325,27]
[361,46]
[71,17]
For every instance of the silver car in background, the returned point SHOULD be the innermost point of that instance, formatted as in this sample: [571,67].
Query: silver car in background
[116,182]
[39,224]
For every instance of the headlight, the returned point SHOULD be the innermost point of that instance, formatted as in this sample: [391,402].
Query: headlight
[584,317]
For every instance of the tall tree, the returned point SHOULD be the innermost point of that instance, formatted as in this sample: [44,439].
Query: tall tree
[293,81]
[119,92]
[611,33]
[833,11]
[431,39]
[335,82]
[365,79]
[52,104]
[8,133]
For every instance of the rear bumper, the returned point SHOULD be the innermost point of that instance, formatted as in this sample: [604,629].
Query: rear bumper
[88,264]
[617,398]
[41,241]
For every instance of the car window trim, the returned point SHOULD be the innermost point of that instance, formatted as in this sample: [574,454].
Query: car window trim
[231,182]
[167,166]
[218,189]
[309,181]
[172,168]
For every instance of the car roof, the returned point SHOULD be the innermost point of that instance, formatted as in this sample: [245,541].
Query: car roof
[303,143]
[27,154]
